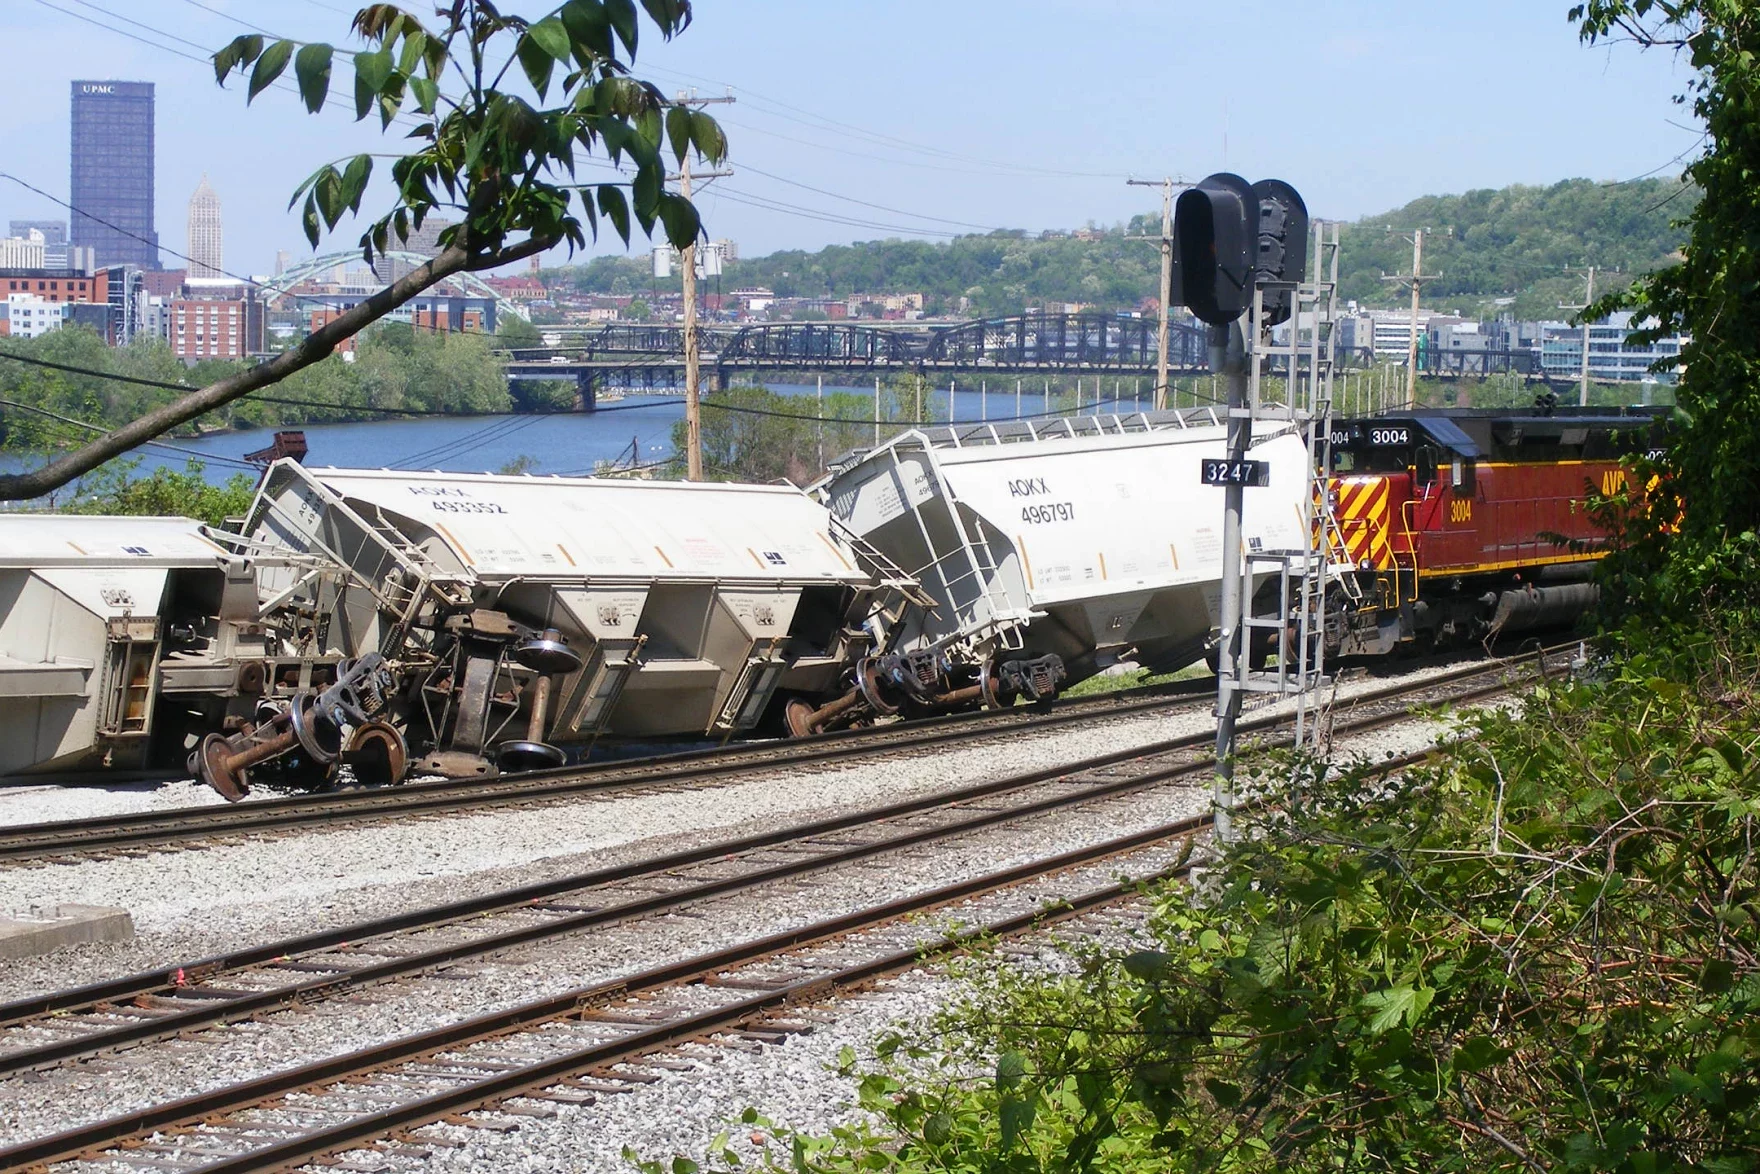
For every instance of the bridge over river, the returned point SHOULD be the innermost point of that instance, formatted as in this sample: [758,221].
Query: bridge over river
[652,356]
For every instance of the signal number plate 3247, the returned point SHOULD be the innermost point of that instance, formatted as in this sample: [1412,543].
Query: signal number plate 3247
[1050,511]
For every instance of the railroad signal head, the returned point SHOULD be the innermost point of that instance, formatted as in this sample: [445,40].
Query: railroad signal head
[1283,245]
[1215,226]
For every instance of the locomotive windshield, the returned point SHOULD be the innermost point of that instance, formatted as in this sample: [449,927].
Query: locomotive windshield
[1428,442]
[1373,446]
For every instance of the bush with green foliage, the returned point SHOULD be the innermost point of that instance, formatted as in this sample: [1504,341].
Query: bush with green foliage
[1538,953]
[756,435]
[165,493]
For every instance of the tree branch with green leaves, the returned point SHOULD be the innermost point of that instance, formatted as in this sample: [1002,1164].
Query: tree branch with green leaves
[506,167]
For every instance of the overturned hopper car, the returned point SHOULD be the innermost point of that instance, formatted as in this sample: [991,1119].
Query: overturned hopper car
[1051,551]
[119,638]
[522,615]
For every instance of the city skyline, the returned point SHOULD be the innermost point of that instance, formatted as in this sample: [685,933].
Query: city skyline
[966,128]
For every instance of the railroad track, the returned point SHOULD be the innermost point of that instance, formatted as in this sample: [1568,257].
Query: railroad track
[151,830]
[203,826]
[175,1002]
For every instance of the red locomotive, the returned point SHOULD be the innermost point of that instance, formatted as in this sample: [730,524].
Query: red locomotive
[1467,523]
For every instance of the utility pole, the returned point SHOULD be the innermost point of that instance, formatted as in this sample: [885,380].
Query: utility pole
[1588,300]
[693,408]
[1167,185]
[1416,280]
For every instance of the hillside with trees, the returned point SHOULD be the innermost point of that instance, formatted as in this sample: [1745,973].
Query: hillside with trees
[1507,243]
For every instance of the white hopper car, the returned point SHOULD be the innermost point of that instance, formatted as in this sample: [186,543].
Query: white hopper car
[1052,552]
[94,614]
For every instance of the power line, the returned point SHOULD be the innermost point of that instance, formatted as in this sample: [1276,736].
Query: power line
[234,19]
[769,205]
[225,460]
[865,203]
[879,138]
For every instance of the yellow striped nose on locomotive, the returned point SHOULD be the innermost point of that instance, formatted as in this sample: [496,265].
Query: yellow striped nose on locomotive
[1365,519]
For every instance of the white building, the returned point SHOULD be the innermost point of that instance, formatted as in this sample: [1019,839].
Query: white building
[28,316]
[1612,358]
[23,252]
[206,243]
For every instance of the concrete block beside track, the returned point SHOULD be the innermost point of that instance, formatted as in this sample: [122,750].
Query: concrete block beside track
[51,927]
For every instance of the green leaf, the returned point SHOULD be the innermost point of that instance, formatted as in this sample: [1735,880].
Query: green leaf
[537,62]
[937,1128]
[673,16]
[1017,1119]
[1225,1094]
[308,220]
[242,51]
[1011,1068]
[551,34]
[312,68]
[622,14]
[1389,1007]
[1477,1054]
[588,29]
[354,180]
[371,70]
[1148,965]
[328,191]
[707,134]
[415,44]
[683,1165]
[427,94]
[680,218]
[678,130]
[269,67]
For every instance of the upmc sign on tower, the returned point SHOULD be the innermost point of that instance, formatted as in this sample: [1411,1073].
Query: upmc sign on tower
[112,188]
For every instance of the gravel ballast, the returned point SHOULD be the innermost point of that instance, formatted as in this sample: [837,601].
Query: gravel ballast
[57,1099]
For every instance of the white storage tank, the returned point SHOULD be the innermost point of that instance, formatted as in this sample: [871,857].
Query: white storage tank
[687,604]
[1080,540]
[86,604]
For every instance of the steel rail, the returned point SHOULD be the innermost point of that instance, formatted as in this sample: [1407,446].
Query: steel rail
[85,1140]
[145,829]
[188,982]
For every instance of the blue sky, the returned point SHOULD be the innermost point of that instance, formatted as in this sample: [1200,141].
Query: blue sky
[957,113]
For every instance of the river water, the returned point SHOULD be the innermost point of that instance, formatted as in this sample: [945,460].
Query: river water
[568,443]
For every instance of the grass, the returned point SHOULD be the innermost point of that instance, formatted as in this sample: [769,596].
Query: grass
[1105,683]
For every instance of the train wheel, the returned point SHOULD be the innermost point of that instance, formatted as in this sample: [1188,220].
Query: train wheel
[798,716]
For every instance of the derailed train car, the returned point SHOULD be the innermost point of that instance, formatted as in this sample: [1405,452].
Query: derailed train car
[524,615]
[1051,551]
[100,619]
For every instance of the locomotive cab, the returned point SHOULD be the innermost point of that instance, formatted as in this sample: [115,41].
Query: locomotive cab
[1460,525]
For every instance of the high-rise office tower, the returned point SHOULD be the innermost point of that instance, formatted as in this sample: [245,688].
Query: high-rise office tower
[112,187]
[205,243]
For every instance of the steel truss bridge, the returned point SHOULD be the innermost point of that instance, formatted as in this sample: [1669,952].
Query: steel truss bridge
[652,356]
